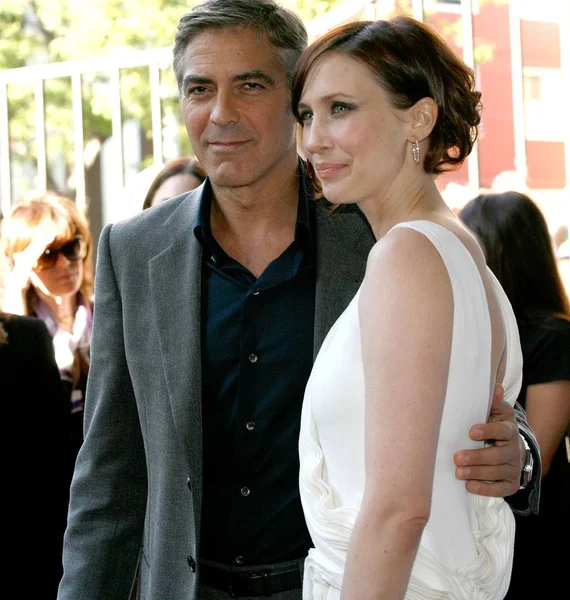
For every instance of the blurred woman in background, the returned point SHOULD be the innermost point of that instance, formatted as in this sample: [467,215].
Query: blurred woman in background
[518,248]
[176,177]
[49,245]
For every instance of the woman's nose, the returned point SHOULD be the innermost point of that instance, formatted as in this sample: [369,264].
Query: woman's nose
[315,137]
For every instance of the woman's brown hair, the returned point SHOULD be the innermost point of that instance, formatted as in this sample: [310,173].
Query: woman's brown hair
[410,61]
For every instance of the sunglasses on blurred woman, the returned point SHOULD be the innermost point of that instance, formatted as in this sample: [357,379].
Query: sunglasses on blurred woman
[75,249]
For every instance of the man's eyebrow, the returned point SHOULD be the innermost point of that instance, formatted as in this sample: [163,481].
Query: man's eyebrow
[195,79]
[248,75]
[257,74]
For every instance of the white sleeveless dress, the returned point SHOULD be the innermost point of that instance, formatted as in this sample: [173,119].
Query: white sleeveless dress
[466,548]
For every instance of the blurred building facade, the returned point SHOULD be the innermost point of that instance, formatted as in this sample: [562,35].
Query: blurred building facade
[519,49]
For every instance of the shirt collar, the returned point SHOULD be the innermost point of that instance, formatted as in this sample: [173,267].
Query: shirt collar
[304,227]
[202,227]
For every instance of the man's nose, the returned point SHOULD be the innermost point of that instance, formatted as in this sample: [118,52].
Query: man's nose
[224,111]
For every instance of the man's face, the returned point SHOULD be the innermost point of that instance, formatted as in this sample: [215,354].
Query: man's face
[235,104]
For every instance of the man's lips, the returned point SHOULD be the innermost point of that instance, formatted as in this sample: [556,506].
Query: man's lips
[228,145]
[327,169]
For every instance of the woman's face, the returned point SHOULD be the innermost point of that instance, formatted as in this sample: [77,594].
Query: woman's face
[59,270]
[354,138]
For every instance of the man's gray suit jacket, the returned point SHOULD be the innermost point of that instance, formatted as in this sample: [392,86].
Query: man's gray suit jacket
[137,487]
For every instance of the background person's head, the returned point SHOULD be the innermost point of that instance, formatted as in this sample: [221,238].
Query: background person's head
[176,177]
[65,266]
[518,248]
[412,64]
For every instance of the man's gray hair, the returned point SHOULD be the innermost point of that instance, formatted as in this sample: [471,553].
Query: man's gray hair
[280,26]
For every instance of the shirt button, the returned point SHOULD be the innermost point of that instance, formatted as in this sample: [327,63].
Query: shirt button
[191,563]
[250,425]
[245,491]
[252,358]
[239,560]
[256,293]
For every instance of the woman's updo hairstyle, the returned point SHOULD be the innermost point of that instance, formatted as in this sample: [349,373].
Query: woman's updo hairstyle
[410,61]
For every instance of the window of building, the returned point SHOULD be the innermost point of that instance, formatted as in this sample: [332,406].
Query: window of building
[543,111]
[531,86]
[450,6]
[548,11]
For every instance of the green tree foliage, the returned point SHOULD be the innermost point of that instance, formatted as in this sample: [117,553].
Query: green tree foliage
[48,31]
[310,9]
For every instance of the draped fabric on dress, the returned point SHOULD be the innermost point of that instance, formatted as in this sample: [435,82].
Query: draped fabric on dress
[467,546]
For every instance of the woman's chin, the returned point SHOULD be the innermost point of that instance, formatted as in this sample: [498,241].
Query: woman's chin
[338,199]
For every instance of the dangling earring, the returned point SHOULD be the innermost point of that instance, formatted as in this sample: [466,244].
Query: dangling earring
[416,151]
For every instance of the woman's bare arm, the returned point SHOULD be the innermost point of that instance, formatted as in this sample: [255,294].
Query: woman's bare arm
[406,314]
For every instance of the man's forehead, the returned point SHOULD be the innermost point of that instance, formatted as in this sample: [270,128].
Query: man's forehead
[230,52]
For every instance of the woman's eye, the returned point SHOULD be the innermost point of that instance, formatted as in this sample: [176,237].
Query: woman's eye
[305,116]
[340,107]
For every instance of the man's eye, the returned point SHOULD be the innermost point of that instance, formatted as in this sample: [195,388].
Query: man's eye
[252,85]
[196,90]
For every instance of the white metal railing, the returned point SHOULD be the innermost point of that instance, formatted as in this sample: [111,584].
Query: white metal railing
[37,75]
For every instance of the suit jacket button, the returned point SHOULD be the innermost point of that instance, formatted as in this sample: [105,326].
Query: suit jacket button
[191,563]
[189,483]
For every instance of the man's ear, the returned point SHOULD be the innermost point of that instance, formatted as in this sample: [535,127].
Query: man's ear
[423,117]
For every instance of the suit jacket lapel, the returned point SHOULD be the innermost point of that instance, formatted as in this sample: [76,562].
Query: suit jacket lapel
[175,282]
[344,240]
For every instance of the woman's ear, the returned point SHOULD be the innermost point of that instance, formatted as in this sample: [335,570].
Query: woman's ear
[423,117]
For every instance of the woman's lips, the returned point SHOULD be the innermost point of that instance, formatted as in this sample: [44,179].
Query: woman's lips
[326,170]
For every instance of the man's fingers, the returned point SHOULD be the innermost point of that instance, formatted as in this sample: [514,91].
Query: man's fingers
[498,394]
[488,474]
[492,455]
[498,489]
[500,431]
[501,410]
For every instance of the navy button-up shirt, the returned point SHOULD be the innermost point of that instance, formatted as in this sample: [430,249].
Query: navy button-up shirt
[257,353]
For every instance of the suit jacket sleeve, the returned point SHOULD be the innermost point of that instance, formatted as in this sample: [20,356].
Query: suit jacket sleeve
[526,502]
[108,492]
